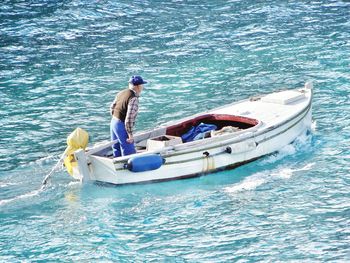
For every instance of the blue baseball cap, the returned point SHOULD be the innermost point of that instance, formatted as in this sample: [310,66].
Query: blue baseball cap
[137,80]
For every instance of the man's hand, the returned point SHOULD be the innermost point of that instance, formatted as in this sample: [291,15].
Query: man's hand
[130,139]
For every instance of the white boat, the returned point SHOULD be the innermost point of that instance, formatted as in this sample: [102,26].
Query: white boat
[246,130]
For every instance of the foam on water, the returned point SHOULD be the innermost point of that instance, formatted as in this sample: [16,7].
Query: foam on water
[314,125]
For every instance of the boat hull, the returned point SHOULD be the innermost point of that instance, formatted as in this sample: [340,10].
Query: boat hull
[198,164]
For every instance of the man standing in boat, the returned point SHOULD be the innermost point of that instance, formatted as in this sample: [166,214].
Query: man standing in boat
[124,111]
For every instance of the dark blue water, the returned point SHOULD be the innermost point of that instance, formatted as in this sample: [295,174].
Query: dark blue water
[61,64]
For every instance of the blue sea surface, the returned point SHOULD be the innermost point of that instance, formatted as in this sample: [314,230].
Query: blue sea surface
[61,64]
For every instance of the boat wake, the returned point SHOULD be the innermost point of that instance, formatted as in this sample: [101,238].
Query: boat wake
[20,197]
[260,178]
[252,182]
[7,184]
[36,192]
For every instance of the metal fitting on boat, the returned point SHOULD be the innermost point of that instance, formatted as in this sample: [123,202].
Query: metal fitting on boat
[228,149]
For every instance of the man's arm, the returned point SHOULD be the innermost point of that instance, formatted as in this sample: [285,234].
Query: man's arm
[131,114]
[111,108]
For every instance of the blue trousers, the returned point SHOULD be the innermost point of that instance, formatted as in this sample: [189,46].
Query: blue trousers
[118,132]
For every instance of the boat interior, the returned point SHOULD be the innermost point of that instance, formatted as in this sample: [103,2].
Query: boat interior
[171,135]
[220,120]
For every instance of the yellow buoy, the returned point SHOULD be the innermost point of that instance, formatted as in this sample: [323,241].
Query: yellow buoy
[78,139]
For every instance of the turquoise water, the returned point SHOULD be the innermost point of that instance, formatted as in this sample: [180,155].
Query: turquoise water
[60,67]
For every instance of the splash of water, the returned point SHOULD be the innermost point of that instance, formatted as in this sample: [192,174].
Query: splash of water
[289,149]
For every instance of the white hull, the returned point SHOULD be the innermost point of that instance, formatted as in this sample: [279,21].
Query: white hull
[279,122]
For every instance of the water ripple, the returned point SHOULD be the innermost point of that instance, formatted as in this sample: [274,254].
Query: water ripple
[61,64]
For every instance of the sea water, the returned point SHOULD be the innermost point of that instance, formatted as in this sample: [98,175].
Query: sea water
[61,64]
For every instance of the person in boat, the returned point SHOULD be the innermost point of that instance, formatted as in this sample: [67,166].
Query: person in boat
[124,111]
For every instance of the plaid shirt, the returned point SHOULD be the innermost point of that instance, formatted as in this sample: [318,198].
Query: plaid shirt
[133,107]
[131,114]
